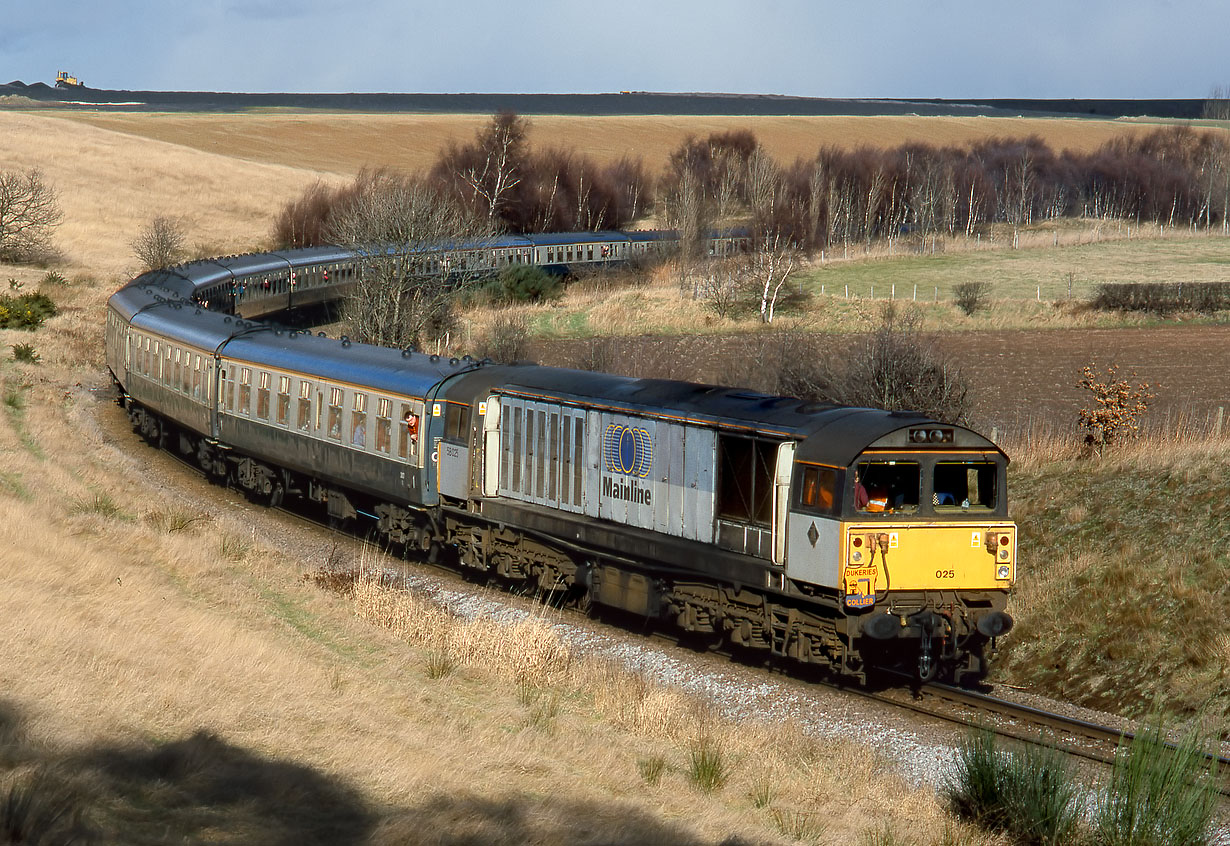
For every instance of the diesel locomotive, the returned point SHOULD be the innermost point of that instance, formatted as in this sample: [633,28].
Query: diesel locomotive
[851,538]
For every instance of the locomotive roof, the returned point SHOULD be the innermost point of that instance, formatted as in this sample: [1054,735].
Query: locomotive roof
[827,433]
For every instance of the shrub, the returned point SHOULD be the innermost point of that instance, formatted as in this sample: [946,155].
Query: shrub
[1159,795]
[26,311]
[160,244]
[527,283]
[1117,407]
[1026,792]
[972,296]
[507,339]
[894,367]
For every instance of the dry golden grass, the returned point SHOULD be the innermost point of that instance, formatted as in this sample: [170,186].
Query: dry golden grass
[110,185]
[343,143]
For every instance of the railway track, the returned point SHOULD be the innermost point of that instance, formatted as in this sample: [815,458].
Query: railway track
[1023,723]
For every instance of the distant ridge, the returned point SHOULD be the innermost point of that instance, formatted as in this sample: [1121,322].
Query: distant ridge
[631,103]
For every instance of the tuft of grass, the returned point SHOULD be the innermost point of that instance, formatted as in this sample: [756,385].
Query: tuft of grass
[1026,792]
[807,826]
[234,548]
[763,792]
[1159,794]
[174,520]
[52,277]
[651,769]
[99,503]
[440,664]
[708,769]
[25,353]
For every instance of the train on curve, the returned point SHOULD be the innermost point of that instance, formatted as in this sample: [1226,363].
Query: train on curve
[850,538]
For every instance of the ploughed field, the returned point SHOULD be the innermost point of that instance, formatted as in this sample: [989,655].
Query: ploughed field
[1017,377]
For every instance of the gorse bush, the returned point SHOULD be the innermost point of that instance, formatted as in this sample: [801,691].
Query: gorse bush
[526,283]
[25,311]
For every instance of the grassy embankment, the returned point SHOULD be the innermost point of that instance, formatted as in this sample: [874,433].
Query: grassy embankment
[1124,568]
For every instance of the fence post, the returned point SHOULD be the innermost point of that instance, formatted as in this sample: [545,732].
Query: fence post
[847,291]
[1221,413]
[915,292]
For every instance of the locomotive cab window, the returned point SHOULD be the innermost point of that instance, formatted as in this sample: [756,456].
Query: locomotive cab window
[886,487]
[964,486]
[817,489]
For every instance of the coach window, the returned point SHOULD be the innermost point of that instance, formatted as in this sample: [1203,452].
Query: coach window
[228,390]
[176,377]
[335,413]
[384,424]
[245,390]
[964,486]
[358,421]
[262,397]
[283,400]
[156,365]
[886,487]
[196,376]
[553,462]
[304,420]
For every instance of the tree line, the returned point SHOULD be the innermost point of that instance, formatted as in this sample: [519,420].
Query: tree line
[1174,176]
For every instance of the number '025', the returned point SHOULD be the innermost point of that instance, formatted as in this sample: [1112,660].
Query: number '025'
[945,574]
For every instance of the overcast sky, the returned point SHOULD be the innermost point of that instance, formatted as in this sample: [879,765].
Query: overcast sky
[822,48]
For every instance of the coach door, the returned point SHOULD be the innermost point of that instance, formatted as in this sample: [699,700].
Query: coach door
[454,466]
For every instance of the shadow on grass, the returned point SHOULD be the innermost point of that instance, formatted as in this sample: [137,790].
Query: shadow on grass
[194,790]
[202,789]
[469,820]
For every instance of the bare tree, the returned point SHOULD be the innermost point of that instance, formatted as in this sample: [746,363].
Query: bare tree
[160,244]
[405,288]
[29,211]
[491,167]
[768,268]
[894,367]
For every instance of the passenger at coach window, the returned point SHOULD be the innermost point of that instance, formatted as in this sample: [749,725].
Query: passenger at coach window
[412,428]
[359,436]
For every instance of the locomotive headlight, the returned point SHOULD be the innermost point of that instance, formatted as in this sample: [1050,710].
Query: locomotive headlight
[1003,554]
[1003,572]
[856,556]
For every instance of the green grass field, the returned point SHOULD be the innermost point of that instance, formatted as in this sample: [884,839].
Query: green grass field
[1030,273]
